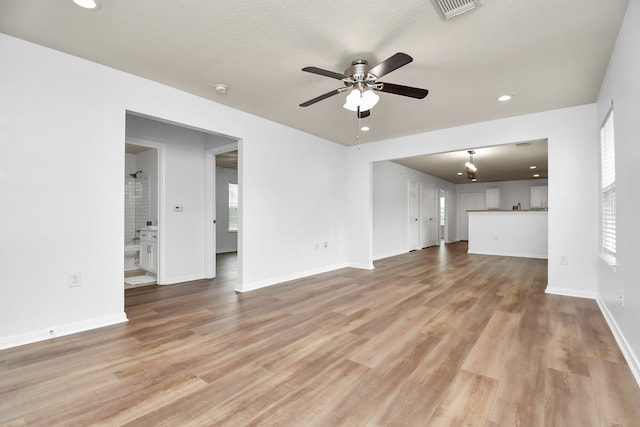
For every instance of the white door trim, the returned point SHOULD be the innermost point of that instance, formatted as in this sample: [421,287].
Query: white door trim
[161,150]
[210,209]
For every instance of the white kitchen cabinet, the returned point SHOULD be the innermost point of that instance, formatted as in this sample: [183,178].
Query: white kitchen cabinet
[539,196]
[149,250]
[493,198]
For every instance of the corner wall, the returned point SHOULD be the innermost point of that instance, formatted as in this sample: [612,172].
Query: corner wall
[62,121]
[621,85]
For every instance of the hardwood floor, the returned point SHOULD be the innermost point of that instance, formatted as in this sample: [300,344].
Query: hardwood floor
[432,338]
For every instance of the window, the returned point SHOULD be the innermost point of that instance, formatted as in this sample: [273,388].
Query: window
[608,189]
[233,207]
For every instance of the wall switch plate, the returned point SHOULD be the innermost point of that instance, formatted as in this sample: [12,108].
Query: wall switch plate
[75,280]
[564,260]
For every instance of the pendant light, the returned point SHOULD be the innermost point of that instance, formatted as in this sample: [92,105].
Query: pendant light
[469,167]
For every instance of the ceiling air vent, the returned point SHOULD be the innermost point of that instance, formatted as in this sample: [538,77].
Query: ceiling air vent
[450,8]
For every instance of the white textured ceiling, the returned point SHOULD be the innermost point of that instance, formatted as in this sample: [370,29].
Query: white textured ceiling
[548,53]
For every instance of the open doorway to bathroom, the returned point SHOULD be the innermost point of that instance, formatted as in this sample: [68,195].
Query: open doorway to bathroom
[140,216]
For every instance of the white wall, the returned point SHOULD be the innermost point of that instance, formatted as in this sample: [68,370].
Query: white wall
[226,241]
[182,234]
[621,85]
[390,206]
[572,134]
[64,117]
[147,161]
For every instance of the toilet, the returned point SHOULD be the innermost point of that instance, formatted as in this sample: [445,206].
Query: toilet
[131,256]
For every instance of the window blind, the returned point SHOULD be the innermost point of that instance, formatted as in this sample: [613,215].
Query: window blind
[608,186]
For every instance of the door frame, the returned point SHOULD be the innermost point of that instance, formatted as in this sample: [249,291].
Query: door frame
[413,216]
[210,208]
[161,155]
[443,194]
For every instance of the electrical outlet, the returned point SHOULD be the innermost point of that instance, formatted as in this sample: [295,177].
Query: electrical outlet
[75,280]
[564,260]
[621,297]
[326,245]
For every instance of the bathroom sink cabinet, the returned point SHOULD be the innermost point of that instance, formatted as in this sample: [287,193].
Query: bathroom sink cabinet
[149,250]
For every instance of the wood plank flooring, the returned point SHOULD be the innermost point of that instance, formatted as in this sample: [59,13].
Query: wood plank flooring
[432,338]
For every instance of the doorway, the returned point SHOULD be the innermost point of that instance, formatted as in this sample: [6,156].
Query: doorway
[142,213]
[429,215]
[414,216]
[223,191]
[443,223]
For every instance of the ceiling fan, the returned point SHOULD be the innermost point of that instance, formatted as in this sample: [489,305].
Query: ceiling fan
[362,80]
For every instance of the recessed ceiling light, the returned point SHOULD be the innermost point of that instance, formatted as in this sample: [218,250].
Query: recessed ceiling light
[532,167]
[365,128]
[459,173]
[87,4]
[504,98]
[220,88]
[536,175]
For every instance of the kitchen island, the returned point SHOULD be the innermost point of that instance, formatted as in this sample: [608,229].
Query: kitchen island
[520,233]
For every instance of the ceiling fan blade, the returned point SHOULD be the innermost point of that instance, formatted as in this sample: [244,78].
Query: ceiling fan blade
[321,97]
[392,63]
[326,73]
[413,92]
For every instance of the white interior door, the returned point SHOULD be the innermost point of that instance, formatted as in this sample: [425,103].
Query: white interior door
[469,202]
[414,216]
[443,220]
[429,216]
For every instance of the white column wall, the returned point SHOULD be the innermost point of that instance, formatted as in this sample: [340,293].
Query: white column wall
[573,199]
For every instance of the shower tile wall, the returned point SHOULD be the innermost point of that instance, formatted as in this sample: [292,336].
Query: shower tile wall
[137,198]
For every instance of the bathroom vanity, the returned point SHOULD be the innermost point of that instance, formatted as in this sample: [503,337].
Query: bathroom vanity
[149,249]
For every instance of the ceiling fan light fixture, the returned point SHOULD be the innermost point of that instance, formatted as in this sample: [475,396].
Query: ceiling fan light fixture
[365,100]
[353,100]
[87,4]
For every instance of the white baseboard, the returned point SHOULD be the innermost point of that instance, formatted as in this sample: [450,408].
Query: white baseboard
[567,292]
[61,330]
[277,280]
[511,254]
[361,266]
[625,348]
[389,255]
